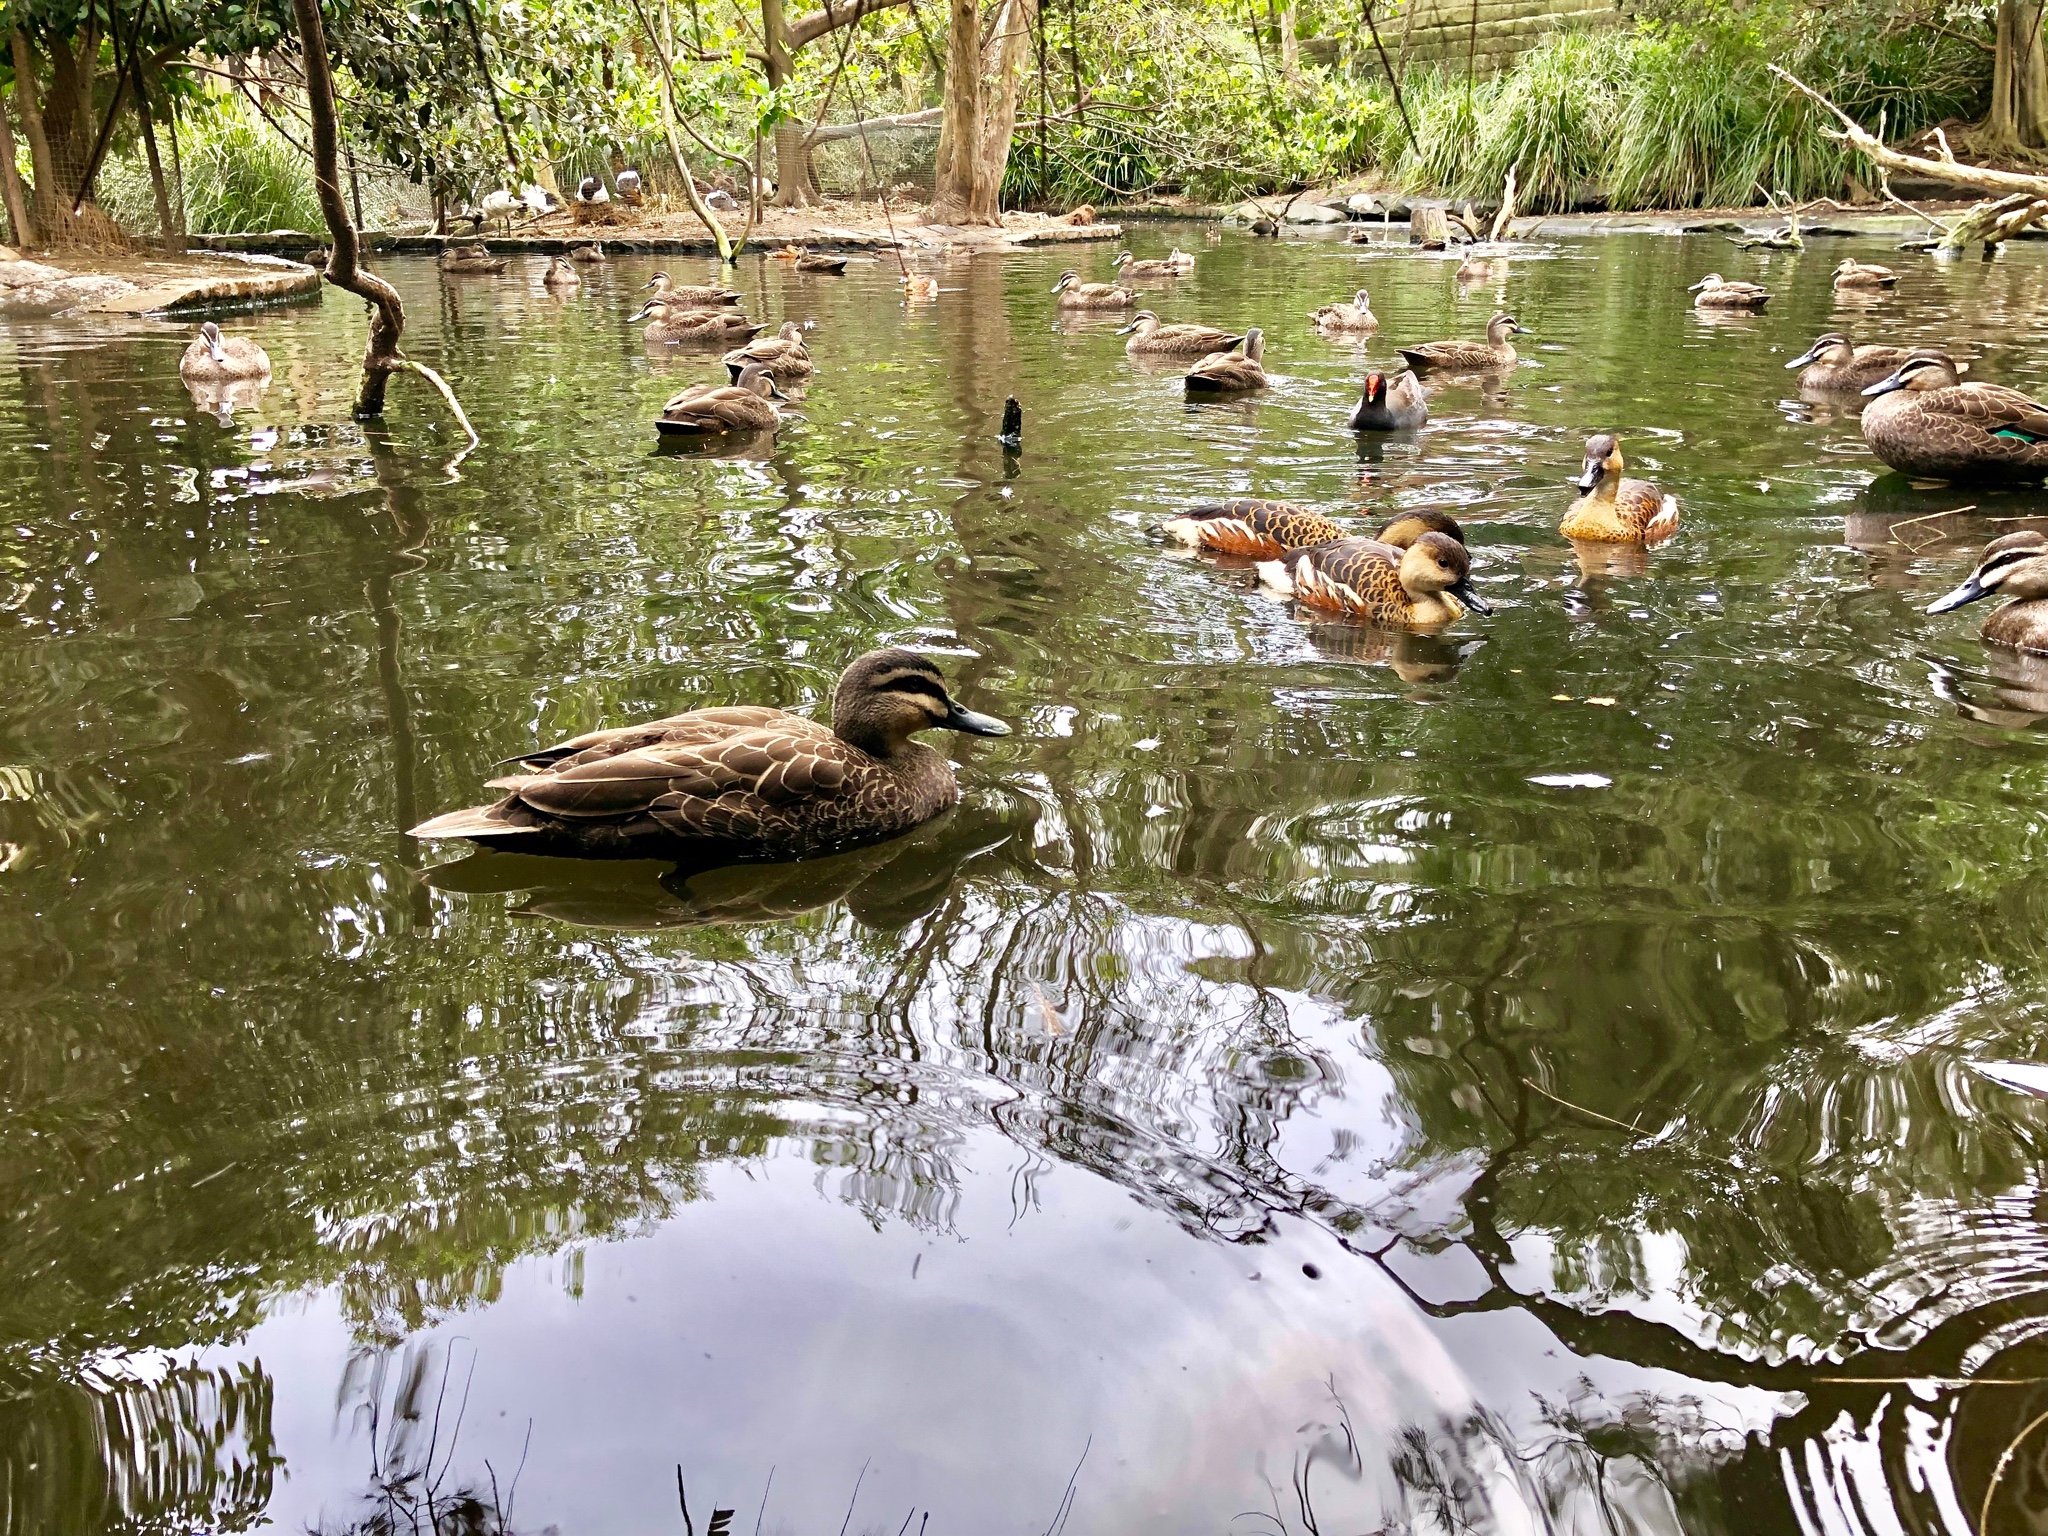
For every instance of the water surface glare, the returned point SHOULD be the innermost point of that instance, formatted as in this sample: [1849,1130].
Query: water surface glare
[1515,1081]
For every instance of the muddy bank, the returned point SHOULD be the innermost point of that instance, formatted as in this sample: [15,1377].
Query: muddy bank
[135,285]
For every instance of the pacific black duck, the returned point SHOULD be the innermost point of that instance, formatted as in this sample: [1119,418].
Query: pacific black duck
[216,359]
[689,296]
[748,781]
[1234,371]
[561,275]
[1834,363]
[1131,270]
[1075,294]
[1865,276]
[783,355]
[705,410]
[674,322]
[1494,355]
[2015,566]
[1151,339]
[464,260]
[1353,319]
[1715,292]
[1923,422]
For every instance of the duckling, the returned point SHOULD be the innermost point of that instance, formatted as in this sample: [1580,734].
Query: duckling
[1390,405]
[1495,354]
[1130,270]
[1182,262]
[673,322]
[1832,363]
[470,259]
[2015,566]
[1266,529]
[745,781]
[1923,422]
[689,297]
[587,254]
[918,285]
[784,355]
[1428,583]
[561,275]
[1075,294]
[1715,292]
[216,359]
[828,266]
[1353,319]
[1864,275]
[706,409]
[1615,510]
[1231,372]
[1151,339]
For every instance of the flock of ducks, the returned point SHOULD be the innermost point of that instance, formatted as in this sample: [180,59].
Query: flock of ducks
[764,783]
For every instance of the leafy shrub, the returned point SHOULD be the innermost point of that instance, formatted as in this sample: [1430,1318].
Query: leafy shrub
[240,178]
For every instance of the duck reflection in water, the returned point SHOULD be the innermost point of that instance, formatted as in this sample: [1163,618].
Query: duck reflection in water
[884,885]
[221,398]
[752,447]
[1411,656]
[2010,692]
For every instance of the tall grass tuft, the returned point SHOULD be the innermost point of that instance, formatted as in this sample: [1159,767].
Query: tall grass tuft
[240,178]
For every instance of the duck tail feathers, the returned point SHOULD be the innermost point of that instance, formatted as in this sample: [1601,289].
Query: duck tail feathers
[1276,578]
[477,821]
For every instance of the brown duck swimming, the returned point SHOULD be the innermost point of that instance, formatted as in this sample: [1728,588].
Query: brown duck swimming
[1832,363]
[470,259]
[673,322]
[1232,371]
[1715,292]
[686,296]
[1266,529]
[1495,354]
[216,359]
[784,355]
[1390,405]
[2015,566]
[1923,422]
[588,254]
[1130,270]
[561,275]
[1614,509]
[1426,584]
[1864,275]
[821,264]
[1151,339]
[1353,319]
[705,410]
[744,782]
[1075,294]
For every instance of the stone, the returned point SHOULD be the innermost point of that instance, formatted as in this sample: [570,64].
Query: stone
[1314,213]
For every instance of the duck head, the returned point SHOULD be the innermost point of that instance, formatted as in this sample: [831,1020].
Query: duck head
[1435,563]
[1067,280]
[1362,299]
[887,696]
[1405,530]
[2015,566]
[1833,348]
[1711,280]
[1122,260]
[1603,459]
[1255,343]
[1921,371]
[210,334]
[1143,320]
[659,283]
[652,308]
[1501,327]
[756,378]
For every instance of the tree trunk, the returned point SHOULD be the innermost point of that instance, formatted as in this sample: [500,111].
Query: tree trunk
[980,113]
[792,160]
[49,201]
[167,226]
[2019,78]
[18,218]
[381,358]
[1290,44]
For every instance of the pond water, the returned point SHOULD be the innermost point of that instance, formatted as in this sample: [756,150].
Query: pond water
[1317,1080]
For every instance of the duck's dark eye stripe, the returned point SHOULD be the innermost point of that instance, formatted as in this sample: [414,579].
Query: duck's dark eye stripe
[2006,558]
[918,683]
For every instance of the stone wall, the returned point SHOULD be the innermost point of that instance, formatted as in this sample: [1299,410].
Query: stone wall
[1442,31]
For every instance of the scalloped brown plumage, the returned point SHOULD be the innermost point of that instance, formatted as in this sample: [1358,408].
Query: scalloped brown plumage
[1924,423]
[745,780]
[1425,585]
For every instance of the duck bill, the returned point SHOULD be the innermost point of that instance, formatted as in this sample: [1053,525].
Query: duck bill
[219,352]
[1886,386]
[1465,594]
[1968,592]
[1805,359]
[1520,330]
[645,311]
[1126,330]
[1696,287]
[972,724]
[1591,475]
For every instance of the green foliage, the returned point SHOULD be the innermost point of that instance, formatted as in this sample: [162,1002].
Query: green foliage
[240,178]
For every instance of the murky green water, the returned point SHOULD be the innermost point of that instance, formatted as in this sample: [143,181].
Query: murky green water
[1514,1083]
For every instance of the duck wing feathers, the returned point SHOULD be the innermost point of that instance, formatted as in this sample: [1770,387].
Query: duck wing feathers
[1451,356]
[698,725]
[1225,372]
[1185,340]
[1253,525]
